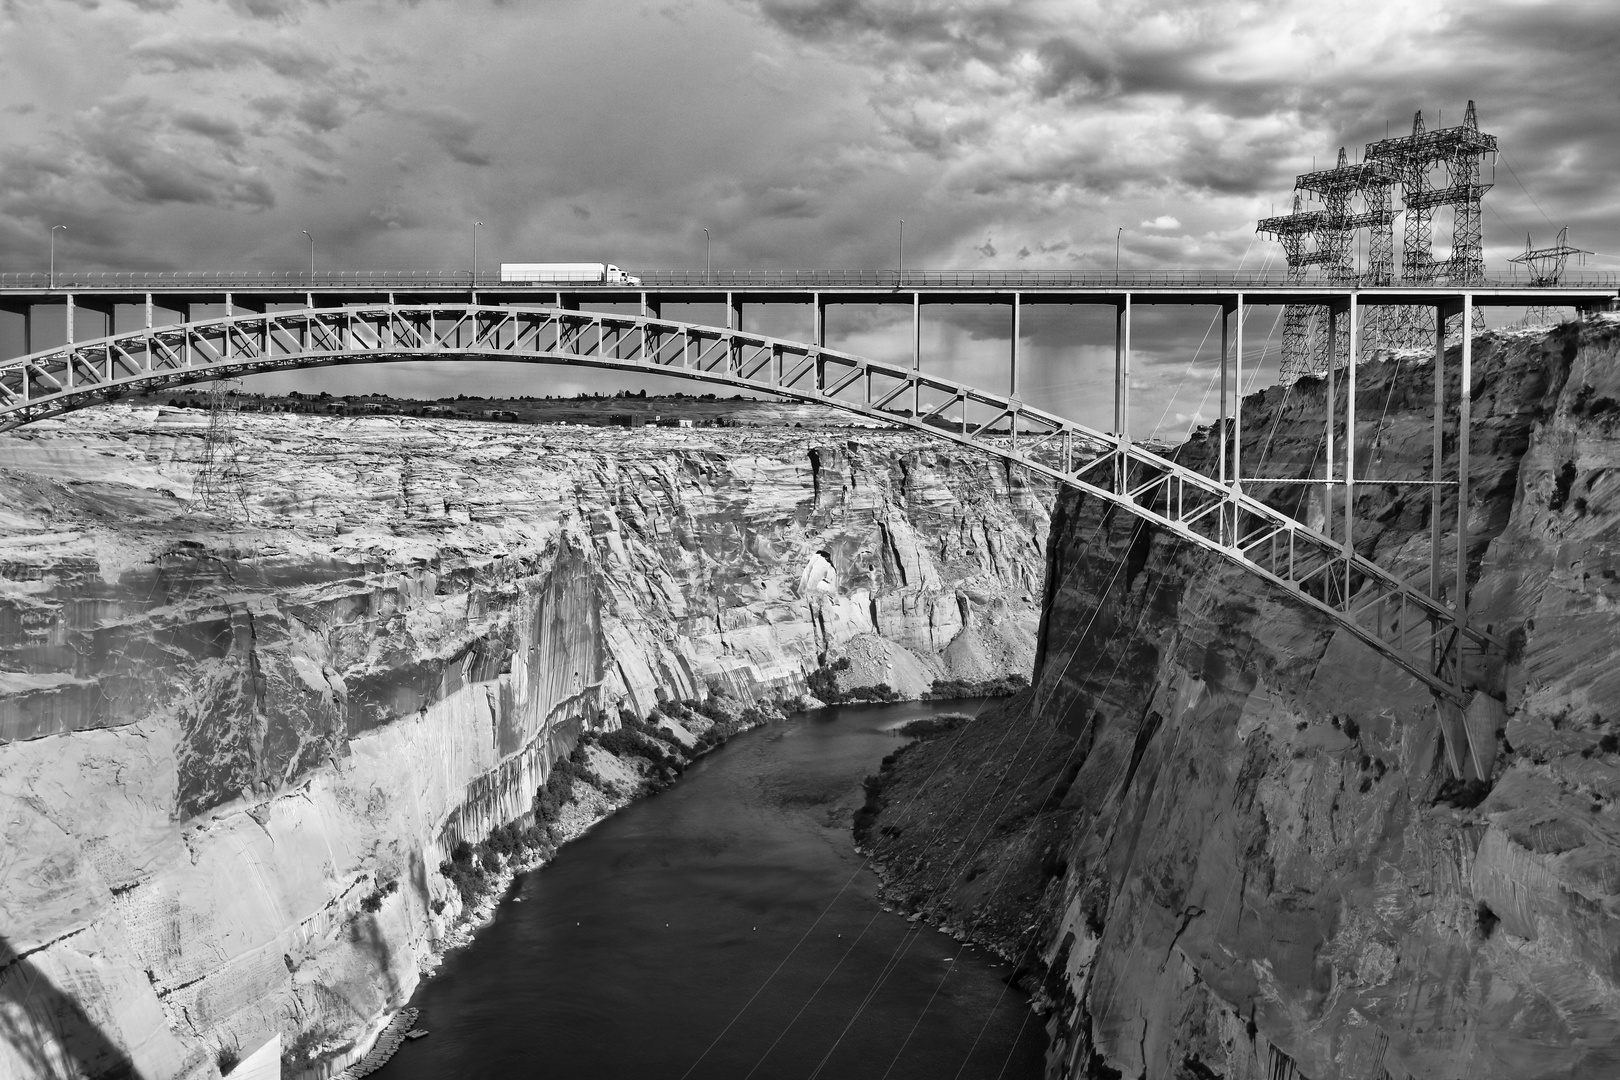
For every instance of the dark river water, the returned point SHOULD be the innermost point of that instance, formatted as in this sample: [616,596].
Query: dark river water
[726,928]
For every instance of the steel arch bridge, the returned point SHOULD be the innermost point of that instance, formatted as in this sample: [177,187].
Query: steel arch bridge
[1416,631]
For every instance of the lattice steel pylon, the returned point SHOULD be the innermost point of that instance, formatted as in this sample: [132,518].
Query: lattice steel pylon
[1294,231]
[1546,269]
[1306,350]
[1458,151]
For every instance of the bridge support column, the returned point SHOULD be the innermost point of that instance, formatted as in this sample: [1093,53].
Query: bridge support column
[1351,363]
[916,354]
[70,318]
[1237,398]
[733,312]
[1122,367]
[1220,423]
[1436,497]
[1465,393]
[1017,332]
[818,328]
[148,311]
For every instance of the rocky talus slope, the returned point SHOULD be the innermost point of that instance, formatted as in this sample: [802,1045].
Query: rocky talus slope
[1224,839]
[237,744]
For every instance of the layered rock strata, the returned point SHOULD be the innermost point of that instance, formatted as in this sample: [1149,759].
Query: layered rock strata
[1227,840]
[236,742]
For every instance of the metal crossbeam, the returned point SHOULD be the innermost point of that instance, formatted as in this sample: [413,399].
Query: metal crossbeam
[1322,572]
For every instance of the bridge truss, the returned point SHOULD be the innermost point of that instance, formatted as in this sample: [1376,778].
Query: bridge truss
[1421,634]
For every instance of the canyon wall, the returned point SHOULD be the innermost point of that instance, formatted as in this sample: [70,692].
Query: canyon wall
[237,740]
[1224,839]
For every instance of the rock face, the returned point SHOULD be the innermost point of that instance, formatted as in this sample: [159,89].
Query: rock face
[1226,840]
[235,745]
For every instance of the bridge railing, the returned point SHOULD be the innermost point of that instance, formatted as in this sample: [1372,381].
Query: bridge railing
[302,280]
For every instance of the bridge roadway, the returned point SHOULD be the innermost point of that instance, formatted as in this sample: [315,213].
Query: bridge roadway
[179,291]
[269,326]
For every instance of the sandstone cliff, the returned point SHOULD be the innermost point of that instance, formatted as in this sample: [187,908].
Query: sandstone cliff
[1224,840]
[236,745]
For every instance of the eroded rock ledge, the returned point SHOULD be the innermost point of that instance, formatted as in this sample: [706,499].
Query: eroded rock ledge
[236,745]
[1221,839]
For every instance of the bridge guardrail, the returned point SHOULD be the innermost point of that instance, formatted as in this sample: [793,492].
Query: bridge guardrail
[301,280]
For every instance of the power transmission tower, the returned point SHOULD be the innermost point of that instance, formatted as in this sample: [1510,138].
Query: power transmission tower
[219,485]
[1294,231]
[1546,268]
[1458,153]
[1353,197]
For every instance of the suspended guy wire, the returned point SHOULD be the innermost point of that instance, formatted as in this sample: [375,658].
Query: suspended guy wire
[1119,565]
[1061,771]
[865,865]
[904,947]
[1507,159]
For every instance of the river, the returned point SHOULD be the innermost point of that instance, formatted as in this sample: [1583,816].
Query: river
[726,928]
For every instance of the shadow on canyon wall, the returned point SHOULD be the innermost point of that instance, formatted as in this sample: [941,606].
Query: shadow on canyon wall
[45,1029]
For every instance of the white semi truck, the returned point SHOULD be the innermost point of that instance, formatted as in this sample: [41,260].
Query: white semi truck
[575,273]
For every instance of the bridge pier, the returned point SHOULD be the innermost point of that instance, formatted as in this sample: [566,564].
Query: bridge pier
[916,351]
[1352,314]
[1220,417]
[1012,359]
[1465,401]
[1122,366]
[1237,395]
[1435,492]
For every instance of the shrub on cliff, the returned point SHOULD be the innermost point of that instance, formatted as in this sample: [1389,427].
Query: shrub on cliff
[924,726]
[947,689]
[823,682]
[630,742]
[374,902]
[867,815]
[468,879]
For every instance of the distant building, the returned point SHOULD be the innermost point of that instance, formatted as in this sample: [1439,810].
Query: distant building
[630,420]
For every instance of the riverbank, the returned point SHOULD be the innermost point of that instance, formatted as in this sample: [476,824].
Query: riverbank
[605,772]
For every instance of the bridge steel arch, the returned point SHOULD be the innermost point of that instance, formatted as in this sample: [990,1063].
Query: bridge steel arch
[1417,632]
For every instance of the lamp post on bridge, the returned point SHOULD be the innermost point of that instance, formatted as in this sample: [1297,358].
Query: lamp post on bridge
[708,258]
[306,232]
[1117,235]
[476,224]
[53,254]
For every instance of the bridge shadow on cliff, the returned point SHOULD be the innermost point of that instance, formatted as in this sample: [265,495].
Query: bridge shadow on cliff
[48,1031]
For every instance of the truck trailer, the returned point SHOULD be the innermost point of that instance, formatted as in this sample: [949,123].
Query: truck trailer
[571,273]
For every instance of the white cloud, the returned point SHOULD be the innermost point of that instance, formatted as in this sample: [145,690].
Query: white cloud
[1163,221]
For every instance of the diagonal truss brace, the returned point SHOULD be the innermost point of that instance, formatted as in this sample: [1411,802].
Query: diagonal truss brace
[1316,570]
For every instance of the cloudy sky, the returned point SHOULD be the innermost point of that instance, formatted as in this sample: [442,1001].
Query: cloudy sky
[196,134]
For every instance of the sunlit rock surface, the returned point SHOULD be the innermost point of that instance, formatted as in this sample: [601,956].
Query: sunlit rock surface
[222,732]
[1218,834]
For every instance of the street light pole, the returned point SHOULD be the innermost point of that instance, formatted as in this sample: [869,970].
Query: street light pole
[1117,235]
[476,224]
[708,257]
[306,232]
[902,275]
[53,253]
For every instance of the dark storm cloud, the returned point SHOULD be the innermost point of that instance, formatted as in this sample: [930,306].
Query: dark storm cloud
[221,130]
[125,150]
[454,131]
[181,53]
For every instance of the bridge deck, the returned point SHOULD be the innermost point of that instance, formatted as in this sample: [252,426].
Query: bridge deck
[248,288]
